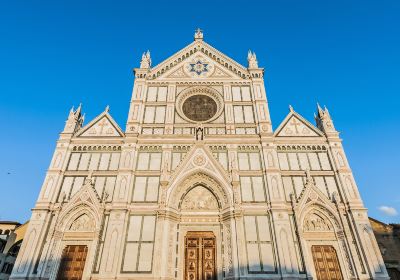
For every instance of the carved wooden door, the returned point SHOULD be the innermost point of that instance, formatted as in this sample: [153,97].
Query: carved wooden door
[326,263]
[200,256]
[72,262]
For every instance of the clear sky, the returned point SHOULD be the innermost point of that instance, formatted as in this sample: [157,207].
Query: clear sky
[343,54]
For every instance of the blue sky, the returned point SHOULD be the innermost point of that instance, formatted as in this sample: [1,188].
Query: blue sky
[343,54]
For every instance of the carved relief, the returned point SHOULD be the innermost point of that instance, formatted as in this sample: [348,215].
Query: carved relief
[82,223]
[228,249]
[199,160]
[199,198]
[103,127]
[296,127]
[219,73]
[193,181]
[178,74]
[314,222]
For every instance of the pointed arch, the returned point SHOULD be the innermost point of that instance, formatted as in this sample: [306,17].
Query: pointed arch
[197,177]
[67,219]
[329,219]
[199,197]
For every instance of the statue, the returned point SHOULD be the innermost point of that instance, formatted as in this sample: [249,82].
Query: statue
[199,133]
[198,35]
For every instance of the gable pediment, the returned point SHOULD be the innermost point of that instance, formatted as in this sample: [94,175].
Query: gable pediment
[295,125]
[185,64]
[102,126]
[199,157]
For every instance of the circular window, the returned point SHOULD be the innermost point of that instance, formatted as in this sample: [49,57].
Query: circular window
[199,108]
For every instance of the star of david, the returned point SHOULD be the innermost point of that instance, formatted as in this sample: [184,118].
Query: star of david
[198,67]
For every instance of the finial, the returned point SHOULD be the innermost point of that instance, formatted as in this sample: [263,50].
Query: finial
[309,179]
[146,60]
[319,109]
[107,109]
[291,108]
[252,59]
[198,35]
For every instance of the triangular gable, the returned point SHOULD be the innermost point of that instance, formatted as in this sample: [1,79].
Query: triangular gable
[295,125]
[102,126]
[198,65]
[176,65]
[199,156]
[86,197]
[311,194]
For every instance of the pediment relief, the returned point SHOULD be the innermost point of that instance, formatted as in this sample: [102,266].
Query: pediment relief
[102,126]
[295,125]
[82,223]
[191,183]
[85,200]
[315,222]
[198,60]
[199,157]
[199,198]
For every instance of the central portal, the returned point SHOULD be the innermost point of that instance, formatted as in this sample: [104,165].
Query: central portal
[200,256]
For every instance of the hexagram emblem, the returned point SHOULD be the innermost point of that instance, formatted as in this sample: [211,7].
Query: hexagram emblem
[199,67]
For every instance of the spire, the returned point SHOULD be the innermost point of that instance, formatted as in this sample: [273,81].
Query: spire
[324,121]
[198,35]
[252,60]
[145,63]
[75,120]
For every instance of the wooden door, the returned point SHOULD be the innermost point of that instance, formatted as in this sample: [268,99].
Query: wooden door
[72,262]
[326,263]
[200,256]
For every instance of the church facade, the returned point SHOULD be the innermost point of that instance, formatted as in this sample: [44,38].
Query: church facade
[199,186]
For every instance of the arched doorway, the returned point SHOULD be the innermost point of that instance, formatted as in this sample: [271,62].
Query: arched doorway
[326,262]
[324,244]
[200,254]
[72,262]
[203,231]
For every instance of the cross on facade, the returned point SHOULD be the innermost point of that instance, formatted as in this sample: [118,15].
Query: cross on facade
[102,124]
[295,123]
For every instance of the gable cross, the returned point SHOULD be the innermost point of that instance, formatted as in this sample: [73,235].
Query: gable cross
[295,123]
[102,124]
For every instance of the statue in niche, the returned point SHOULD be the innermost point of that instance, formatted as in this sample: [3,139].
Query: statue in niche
[199,133]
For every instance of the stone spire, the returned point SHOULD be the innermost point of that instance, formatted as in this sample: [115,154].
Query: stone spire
[145,63]
[74,121]
[252,60]
[324,121]
[198,35]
